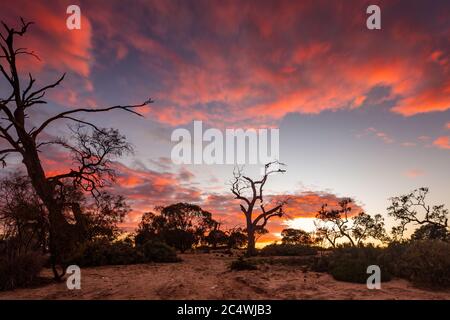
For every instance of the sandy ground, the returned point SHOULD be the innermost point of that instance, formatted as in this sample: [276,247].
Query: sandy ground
[206,276]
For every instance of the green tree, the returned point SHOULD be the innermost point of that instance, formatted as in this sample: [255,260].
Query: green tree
[296,236]
[431,232]
[180,225]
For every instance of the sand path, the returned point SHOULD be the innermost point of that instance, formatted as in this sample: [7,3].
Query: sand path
[206,276]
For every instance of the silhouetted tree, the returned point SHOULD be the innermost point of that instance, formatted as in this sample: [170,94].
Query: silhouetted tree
[23,220]
[412,209]
[296,236]
[92,150]
[180,225]
[216,237]
[365,226]
[431,232]
[101,216]
[237,238]
[250,192]
[335,224]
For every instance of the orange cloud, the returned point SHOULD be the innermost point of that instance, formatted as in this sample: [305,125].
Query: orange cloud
[248,64]
[442,142]
[58,48]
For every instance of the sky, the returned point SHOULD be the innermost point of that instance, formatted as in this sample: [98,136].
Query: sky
[361,113]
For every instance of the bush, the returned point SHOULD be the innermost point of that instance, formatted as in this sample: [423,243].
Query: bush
[155,251]
[425,263]
[350,264]
[320,264]
[287,250]
[243,264]
[301,261]
[392,257]
[103,252]
[20,271]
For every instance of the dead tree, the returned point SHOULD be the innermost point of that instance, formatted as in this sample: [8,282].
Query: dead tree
[250,192]
[92,152]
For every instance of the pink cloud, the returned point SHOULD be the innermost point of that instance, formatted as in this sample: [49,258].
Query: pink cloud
[257,63]
[442,142]
[414,173]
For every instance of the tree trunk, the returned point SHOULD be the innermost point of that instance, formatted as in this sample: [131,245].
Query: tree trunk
[251,250]
[57,223]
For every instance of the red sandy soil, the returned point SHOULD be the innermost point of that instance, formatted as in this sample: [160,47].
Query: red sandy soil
[207,276]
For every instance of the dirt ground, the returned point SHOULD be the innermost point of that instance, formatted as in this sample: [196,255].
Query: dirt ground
[207,276]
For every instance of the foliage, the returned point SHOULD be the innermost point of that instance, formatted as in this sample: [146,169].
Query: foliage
[154,251]
[334,224]
[23,219]
[431,232]
[103,216]
[243,264]
[287,250]
[412,209]
[20,270]
[180,225]
[103,252]
[296,236]
[296,261]
[320,264]
[236,238]
[216,238]
[350,264]
[425,263]
[93,149]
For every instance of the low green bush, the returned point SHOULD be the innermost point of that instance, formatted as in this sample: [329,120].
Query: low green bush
[20,271]
[301,261]
[155,251]
[350,264]
[287,250]
[320,264]
[243,264]
[102,252]
[425,263]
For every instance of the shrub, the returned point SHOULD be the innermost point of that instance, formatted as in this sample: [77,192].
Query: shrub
[301,261]
[103,252]
[392,258]
[350,264]
[320,264]
[243,264]
[155,251]
[287,250]
[426,263]
[19,271]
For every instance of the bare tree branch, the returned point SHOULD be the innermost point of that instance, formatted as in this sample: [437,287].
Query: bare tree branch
[63,115]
